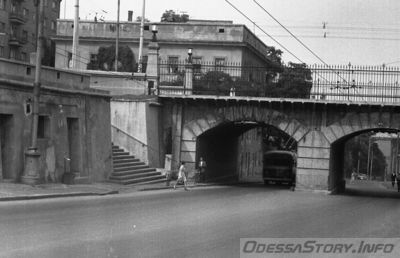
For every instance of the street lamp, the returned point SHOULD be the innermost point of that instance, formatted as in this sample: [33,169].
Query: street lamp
[154,30]
[190,53]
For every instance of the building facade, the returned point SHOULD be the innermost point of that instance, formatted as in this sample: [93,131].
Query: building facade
[74,124]
[18,27]
[219,42]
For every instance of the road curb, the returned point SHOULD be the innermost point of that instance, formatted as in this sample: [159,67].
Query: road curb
[57,195]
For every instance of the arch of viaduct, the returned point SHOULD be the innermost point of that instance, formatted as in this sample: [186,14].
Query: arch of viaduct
[319,128]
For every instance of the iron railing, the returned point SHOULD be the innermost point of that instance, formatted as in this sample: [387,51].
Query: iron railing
[356,83]
[337,83]
[213,78]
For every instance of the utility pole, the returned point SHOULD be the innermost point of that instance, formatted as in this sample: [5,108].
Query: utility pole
[140,65]
[32,155]
[117,41]
[75,41]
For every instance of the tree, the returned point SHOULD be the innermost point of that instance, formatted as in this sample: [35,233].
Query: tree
[294,82]
[139,19]
[171,16]
[106,58]
[356,154]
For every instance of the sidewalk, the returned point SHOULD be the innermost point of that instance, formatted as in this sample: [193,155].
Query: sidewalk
[16,191]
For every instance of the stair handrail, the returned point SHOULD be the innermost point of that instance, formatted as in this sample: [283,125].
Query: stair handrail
[148,146]
[131,136]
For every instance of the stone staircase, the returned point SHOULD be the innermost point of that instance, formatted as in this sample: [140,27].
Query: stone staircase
[129,170]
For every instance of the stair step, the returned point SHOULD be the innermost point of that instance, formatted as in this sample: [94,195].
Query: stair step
[135,176]
[128,164]
[122,161]
[120,153]
[133,171]
[152,182]
[129,170]
[118,150]
[143,180]
[132,168]
[124,157]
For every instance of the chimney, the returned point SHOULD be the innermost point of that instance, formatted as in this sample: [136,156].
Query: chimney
[130,14]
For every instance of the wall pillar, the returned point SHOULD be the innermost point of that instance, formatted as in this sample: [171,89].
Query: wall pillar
[313,162]
[189,79]
[177,121]
[152,70]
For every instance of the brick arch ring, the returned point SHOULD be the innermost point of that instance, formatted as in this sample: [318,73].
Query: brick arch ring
[293,128]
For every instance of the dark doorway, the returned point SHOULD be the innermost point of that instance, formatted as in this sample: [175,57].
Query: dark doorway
[5,146]
[74,144]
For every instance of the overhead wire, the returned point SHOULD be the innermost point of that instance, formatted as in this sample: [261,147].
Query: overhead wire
[255,24]
[301,42]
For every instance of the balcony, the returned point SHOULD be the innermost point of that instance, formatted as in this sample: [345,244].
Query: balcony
[16,41]
[17,17]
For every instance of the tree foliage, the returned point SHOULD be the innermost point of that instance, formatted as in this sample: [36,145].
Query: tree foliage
[294,82]
[356,154]
[171,16]
[221,83]
[106,58]
[139,19]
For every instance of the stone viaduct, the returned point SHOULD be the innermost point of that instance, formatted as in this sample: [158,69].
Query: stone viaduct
[214,125]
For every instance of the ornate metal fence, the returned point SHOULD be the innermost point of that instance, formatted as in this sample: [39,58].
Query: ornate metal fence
[337,83]
[213,78]
[356,83]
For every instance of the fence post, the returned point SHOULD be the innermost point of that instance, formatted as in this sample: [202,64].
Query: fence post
[152,69]
[188,87]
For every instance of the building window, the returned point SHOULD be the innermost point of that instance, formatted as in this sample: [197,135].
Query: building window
[25,35]
[69,60]
[43,127]
[1,51]
[53,25]
[219,63]
[54,4]
[25,12]
[2,27]
[13,53]
[24,57]
[93,58]
[196,60]
[33,37]
[173,64]
[3,4]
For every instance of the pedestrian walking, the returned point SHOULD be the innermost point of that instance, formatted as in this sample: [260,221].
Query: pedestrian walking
[182,176]
[393,177]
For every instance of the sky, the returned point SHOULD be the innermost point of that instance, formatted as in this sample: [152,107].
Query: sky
[360,32]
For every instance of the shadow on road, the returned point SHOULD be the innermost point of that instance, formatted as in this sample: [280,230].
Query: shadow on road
[262,185]
[368,188]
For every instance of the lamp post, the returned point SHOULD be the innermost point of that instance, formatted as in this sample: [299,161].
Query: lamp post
[154,30]
[190,53]
[117,40]
[31,174]
[141,38]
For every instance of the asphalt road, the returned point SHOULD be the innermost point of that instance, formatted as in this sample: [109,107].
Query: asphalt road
[203,222]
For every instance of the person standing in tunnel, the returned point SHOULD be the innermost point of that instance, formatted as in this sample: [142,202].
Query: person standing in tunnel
[393,177]
[202,169]
[398,182]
